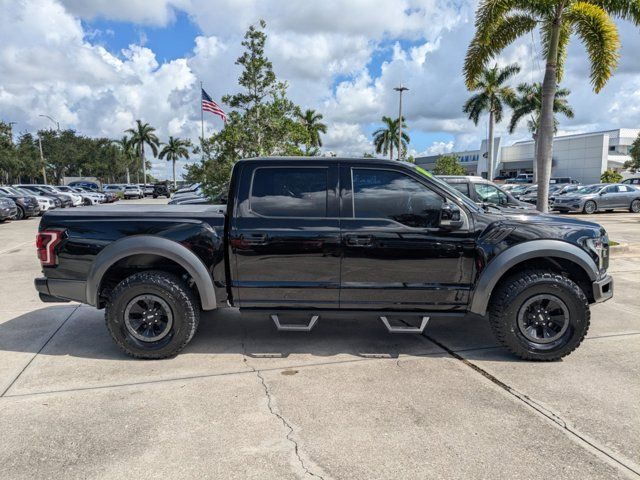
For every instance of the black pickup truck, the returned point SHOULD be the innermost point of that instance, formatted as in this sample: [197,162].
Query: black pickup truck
[301,238]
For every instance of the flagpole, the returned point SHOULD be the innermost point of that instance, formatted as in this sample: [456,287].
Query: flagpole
[201,119]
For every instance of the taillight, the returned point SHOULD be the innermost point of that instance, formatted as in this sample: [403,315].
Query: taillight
[46,242]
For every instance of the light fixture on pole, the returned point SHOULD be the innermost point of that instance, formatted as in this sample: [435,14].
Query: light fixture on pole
[400,89]
[52,119]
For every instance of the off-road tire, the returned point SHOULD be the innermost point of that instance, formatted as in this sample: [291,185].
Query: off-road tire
[588,210]
[511,295]
[174,291]
[635,206]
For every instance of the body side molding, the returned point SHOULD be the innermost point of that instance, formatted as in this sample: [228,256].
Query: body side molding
[147,244]
[520,253]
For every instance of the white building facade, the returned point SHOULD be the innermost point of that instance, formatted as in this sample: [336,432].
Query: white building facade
[583,157]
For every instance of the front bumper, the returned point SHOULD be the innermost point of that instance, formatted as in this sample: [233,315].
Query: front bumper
[57,290]
[603,289]
[568,207]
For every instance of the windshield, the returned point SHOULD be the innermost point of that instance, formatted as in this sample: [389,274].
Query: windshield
[445,186]
[16,191]
[589,189]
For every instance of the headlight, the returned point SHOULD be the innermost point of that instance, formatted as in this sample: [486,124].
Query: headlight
[599,246]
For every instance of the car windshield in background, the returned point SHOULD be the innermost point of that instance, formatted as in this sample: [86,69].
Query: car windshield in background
[445,186]
[589,189]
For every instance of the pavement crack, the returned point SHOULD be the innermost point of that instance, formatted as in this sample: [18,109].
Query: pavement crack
[627,466]
[272,411]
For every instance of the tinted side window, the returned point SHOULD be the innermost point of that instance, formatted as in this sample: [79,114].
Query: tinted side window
[289,192]
[393,195]
[461,187]
[490,194]
[612,189]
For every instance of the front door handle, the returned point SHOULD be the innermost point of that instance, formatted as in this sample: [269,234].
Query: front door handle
[254,239]
[359,240]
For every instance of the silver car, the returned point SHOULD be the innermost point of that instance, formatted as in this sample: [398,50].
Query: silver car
[599,197]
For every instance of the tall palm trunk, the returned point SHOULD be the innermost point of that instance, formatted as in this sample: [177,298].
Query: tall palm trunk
[144,164]
[174,174]
[490,167]
[391,151]
[128,177]
[535,156]
[544,153]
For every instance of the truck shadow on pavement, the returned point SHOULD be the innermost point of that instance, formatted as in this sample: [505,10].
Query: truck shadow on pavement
[80,331]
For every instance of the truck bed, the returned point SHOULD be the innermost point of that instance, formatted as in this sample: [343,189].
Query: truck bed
[164,211]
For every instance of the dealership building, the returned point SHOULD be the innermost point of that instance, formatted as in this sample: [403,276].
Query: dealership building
[583,157]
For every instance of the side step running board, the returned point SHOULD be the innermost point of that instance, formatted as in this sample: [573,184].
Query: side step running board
[403,329]
[295,327]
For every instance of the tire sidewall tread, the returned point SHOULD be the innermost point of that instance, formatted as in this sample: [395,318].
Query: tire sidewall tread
[503,312]
[172,289]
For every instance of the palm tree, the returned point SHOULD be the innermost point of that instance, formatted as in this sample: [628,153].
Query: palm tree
[312,124]
[175,149]
[142,134]
[491,95]
[386,138]
[500,22]
[528,102]
[128,152]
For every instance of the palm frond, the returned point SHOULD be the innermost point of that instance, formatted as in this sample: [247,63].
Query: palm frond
[600,36]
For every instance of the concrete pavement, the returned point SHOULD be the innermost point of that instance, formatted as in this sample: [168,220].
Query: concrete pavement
[346,401]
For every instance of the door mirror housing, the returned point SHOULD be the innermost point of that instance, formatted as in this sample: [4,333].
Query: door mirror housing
[451,217]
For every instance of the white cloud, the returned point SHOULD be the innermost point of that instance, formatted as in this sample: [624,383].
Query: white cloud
[327,51]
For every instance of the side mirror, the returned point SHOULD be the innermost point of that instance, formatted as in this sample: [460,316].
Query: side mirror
[451,217]
[603,192]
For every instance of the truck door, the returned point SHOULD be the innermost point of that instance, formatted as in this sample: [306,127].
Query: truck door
[285,235]
[395,254]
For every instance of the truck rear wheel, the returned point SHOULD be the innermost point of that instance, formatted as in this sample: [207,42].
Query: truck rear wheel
[539,315]
[152,315]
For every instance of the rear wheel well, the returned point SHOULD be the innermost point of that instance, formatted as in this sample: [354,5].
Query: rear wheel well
[562,266]
[127,266]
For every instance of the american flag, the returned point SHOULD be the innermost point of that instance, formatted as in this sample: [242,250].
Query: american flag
[208,105]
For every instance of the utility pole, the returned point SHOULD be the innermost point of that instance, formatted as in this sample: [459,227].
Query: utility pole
[57,123]
[44,170]
[400,89]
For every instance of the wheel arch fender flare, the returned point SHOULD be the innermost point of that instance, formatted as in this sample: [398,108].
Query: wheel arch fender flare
[148,244]
[511,257]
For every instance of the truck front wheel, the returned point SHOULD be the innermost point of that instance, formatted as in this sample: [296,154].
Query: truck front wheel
[539,315]
[152,315]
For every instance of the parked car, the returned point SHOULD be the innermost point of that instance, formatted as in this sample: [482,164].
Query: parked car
[600,197]
[114,188]
[85,184]
[483,191]
[26,205]
[86,199]
[531,194]
[94,197]
[523,178]
[45,203]
[161,190]
[562,180]
[75,198]
[8,208]
[312,236]
[65,200]
[564,190]
[188,189]
[632,181]
[147,190]
[133,191]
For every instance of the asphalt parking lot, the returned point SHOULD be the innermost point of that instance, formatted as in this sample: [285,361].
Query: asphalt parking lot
[348,400]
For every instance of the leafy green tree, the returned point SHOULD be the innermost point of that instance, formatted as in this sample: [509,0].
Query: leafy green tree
[7,151]
[263,121]
[175,149]
[491,96]
[500,22]
[144,134]
[312,122]
[448,164]
[385,139]
[610,176]
[634,164]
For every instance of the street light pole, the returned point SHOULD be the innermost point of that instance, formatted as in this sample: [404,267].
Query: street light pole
[57,123]
[400,89]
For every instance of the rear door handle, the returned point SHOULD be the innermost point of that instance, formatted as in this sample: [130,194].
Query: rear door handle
[360,240]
